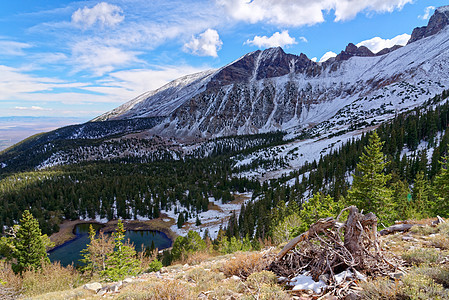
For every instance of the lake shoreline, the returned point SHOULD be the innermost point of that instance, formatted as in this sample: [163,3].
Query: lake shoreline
[67,228]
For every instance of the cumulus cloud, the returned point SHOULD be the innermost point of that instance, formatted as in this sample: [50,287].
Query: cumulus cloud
[276,40]
[427,12]
[327,55]
[376,44]
[304,12]
[207,43]
[105,14]
[13,48]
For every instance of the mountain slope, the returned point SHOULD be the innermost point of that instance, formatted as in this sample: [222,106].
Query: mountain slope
[263,91]
[271,90]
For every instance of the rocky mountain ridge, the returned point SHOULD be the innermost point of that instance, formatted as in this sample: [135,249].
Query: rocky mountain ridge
[261,92]
[271,90]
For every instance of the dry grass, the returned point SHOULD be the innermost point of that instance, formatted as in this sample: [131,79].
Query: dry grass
[244,264]
[443,228]
[423,230]
[158,290]
[204,280]
[421,256]
[52,277]
[438,274]
[440,241]
[10,283]
[418,286]
[380,289]
[197,257]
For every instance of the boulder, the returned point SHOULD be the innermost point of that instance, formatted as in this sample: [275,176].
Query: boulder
[94,287]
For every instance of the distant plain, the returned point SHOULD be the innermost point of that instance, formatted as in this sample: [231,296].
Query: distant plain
[15,129]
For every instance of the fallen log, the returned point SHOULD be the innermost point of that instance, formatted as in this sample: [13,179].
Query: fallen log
[396,228]
[329,247]
[319,226]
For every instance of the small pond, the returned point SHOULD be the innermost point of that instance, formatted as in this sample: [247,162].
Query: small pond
[69,252]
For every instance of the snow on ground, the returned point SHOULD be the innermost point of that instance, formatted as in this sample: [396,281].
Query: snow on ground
[97,219]
[305,282]
[213,219]
[294,154]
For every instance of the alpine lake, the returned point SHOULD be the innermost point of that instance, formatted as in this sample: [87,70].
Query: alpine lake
[70,252]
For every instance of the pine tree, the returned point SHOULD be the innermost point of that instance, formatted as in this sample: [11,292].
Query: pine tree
[181,220]
[318,207]
[29,244]
[96,253]
[441,185]
[122,262]
[369,190]
[420,196]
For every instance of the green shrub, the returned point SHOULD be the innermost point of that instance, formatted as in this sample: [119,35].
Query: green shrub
[423,230]
[438,274]
[257,279]
[443,228]
[417,286]
[154,266]
[379,289]
[421,256]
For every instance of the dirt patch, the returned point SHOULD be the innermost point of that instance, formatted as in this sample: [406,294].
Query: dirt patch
[65,232]
[213,206]
[66,229]
[156,224]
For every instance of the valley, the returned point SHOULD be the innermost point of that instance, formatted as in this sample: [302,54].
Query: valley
[247,157]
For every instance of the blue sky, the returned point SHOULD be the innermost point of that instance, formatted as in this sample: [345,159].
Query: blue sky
[80,59]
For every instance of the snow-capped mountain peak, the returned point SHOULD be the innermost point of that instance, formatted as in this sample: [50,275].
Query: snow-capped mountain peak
[272,90]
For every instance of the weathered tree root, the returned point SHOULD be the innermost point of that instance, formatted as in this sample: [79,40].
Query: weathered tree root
[329,247]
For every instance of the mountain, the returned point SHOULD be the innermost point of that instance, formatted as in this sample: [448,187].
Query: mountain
[261,92]
[271,90]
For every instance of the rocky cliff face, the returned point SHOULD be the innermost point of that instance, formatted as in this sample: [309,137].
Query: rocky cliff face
[272,90]
[438,21]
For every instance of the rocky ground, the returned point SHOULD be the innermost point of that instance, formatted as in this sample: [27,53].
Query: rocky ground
[422,273]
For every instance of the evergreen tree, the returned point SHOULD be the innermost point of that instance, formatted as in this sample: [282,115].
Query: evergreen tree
[122,262]
[29,244]
[420,196]
[441,184]
[318,207]
[369,189]
[96,253]
[181,220]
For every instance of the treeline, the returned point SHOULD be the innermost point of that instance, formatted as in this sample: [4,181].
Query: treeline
[112,190]
[407,169]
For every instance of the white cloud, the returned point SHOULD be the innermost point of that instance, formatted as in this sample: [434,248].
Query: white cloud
[107,15]
[314,59]
[100,59]
[206,44]
[33,108]
[327,55]
[304,12]
[427,12]
[13,48]
[276,40]
[376,44]
[130,83]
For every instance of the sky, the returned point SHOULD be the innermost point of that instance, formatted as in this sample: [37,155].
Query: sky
[79,59]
